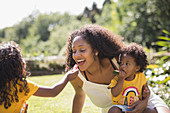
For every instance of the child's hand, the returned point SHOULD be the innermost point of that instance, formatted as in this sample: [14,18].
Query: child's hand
[72,74]
[122,74]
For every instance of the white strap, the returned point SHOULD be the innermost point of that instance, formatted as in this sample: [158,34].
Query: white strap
[81,77]
[115,63]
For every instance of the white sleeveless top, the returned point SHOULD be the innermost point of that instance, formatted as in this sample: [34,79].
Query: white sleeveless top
[100,95]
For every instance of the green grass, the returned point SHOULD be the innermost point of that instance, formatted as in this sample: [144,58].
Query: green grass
[59,104]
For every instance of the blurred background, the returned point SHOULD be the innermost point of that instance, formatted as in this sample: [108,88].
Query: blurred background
[41,28]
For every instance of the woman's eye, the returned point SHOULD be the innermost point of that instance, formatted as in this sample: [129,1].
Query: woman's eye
[82,50]
[127,64]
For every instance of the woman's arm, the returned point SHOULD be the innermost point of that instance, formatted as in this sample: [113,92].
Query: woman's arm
[53,91]
[79,96]
[157,103]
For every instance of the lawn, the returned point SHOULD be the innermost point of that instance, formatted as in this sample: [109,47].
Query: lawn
[60,104]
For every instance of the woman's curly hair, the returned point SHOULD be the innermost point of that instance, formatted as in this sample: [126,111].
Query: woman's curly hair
[136,51]
[12,74]
[101,39]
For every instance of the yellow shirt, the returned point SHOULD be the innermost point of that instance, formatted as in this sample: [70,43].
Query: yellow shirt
[131,91]
[18,107]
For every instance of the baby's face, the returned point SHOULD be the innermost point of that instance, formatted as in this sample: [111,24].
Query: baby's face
[128,65]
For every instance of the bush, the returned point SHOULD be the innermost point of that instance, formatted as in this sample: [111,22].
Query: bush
[45,65]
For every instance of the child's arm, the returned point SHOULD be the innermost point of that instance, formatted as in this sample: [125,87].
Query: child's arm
[53,91]
[116,90]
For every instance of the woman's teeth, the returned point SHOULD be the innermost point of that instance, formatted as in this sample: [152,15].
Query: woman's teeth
[80,62]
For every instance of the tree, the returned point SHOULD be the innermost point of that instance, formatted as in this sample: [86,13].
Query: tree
[90,14]
[144,19]
[109,17]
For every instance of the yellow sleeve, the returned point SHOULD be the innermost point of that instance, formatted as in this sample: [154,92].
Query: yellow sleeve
[33,88]
[114,81]
[143,78]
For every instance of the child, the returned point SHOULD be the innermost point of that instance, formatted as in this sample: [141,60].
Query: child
[130,85]
[14,88]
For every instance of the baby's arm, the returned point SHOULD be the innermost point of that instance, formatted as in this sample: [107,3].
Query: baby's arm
[53,91]
[116,90]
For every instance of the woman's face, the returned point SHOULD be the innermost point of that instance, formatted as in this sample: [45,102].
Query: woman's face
[82,53]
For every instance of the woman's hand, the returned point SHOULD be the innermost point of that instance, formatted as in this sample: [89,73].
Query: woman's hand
[140,105]
[145,91]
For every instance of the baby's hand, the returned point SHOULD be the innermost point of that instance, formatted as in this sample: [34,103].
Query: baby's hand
[72,74]
[122,74]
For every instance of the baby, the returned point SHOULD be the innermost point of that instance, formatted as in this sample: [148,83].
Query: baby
[131,84]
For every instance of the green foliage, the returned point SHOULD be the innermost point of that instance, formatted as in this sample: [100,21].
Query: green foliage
[44,34]
[165,43]
[138,21]
[10,34]
[159,80]
[109,18]
[144,19]
[22,29]
[29,46]
[45,65]
[164,49]
[158,74]
[18,31]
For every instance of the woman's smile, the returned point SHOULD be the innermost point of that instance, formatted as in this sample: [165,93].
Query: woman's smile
[81,62]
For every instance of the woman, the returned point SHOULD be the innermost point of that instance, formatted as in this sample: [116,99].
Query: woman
[96,51]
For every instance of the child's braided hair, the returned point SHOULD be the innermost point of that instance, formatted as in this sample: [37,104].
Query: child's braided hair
[12,74]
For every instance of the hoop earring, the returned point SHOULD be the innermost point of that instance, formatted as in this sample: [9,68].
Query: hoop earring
[96,53]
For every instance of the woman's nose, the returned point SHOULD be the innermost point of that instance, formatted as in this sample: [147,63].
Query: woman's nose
[77,54]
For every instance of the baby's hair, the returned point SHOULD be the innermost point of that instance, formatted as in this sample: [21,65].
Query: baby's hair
[12,74]
[136,51]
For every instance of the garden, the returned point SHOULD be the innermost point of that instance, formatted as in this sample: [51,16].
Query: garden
[42,39]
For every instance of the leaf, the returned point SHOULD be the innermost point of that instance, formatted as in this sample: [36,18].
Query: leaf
[166,32]
[164,38]
[166,80]
[162,43]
